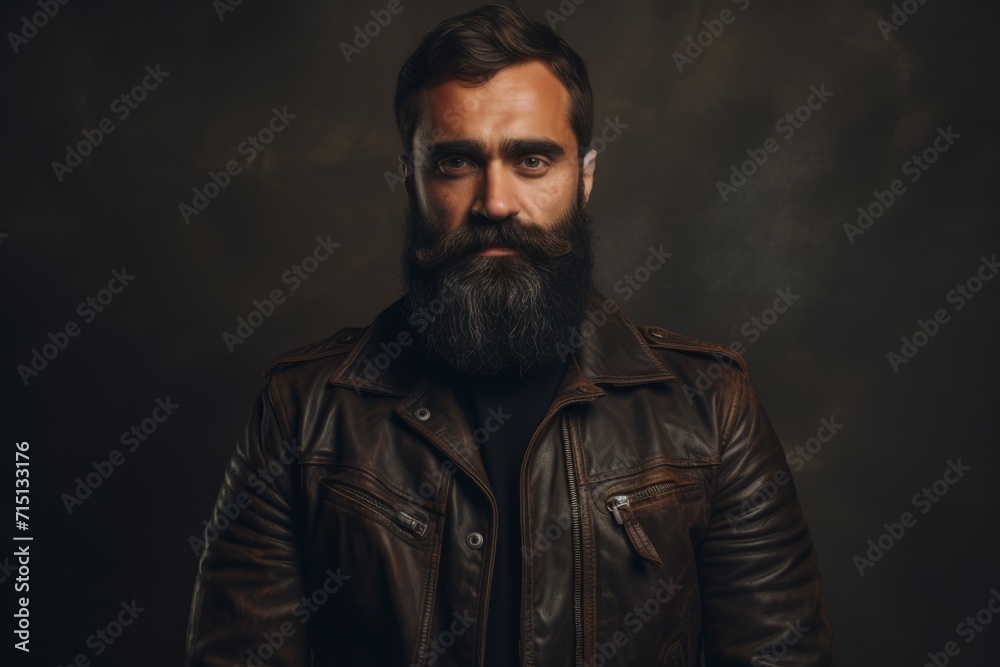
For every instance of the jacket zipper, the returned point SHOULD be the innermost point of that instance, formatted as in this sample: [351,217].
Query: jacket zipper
[574,512]
[399,517]
[576,533]
[617,501]
[620,505]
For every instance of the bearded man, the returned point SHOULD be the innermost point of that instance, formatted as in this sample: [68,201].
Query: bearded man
[502,469]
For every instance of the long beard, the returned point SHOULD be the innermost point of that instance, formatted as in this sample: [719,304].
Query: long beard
[486,315]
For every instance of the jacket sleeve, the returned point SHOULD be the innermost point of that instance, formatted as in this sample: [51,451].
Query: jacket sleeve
[762,601]
[249,581]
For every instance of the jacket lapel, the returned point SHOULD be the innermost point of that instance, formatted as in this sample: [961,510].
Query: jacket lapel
[607,349]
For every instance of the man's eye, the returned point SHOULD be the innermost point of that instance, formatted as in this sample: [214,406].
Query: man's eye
[452,164]
[534,163]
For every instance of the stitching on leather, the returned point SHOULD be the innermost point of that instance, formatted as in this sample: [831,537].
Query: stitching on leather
[740,395]
[528,641]
[357,508]
[587,536]
[641,340]
[436,506]
[278,408]
[681,342]
[656,462]
[431,577]
[640,537]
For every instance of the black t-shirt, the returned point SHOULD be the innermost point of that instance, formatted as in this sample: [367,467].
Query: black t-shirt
[503,412]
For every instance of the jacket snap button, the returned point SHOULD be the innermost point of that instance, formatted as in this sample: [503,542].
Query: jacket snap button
[474,540]
[423,414]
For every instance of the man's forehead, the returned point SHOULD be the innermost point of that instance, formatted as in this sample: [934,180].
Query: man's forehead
[522,101]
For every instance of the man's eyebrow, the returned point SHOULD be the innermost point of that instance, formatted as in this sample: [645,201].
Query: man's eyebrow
[522,146]
[461,146]
[507,147]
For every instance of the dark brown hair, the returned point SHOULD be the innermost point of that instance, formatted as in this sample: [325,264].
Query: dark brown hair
[474,45]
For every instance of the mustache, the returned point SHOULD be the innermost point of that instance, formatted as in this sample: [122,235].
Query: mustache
[481,233]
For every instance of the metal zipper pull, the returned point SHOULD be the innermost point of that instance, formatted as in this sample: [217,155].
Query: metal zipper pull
[401,518]
[621,508]
[417,526]
[614,503]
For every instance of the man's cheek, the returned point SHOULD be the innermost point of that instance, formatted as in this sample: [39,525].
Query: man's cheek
[445,214]
[567,195]
[547,203]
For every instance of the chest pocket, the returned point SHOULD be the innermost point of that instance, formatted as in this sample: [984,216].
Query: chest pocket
[655,504]
[362,493]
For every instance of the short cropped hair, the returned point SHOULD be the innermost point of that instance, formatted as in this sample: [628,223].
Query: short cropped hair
[473,46]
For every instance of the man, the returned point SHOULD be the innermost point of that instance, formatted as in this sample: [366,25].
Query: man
[502,468]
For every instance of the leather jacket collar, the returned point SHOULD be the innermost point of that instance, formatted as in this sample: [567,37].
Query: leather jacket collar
[610,350]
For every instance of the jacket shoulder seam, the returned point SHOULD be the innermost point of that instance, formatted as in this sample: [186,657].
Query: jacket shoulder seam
[658,337]
[339,343]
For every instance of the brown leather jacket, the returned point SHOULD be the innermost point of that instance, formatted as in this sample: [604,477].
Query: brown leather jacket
[356,526]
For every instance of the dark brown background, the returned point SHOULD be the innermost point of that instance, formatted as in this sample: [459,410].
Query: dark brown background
[655,185]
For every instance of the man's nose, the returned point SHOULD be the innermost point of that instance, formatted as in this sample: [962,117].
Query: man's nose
[497,196]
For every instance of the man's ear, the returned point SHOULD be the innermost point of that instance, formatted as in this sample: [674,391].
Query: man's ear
[588,166]
[407,169]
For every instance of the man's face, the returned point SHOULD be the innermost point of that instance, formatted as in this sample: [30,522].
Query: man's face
[496,227]
[503,149]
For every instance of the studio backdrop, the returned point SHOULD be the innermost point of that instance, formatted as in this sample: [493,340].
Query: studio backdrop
[192,188]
